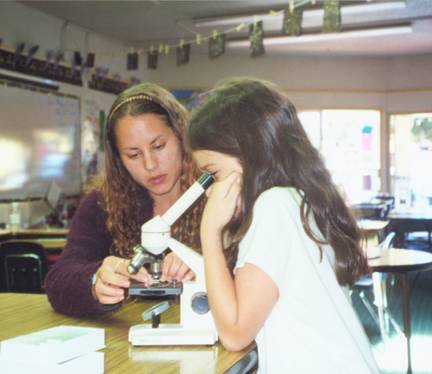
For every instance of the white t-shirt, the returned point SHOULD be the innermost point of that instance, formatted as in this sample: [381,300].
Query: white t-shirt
[312,327]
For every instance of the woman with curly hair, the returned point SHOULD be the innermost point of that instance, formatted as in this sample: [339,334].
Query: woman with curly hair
[146,170]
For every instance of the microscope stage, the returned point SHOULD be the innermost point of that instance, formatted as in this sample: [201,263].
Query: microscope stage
[155,289]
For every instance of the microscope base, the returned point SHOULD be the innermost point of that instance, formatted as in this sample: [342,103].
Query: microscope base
[170,334]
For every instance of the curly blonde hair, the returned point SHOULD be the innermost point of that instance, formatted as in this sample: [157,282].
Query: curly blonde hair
[128,204]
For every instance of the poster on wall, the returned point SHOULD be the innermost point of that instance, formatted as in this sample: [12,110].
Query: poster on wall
[190,98]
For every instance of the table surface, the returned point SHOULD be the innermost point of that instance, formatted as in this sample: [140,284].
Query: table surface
[25,313]
[49,231]
[49,238]
[399,260]
[370,225]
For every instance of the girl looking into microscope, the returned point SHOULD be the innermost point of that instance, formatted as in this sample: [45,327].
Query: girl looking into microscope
[280,246]
[146,170]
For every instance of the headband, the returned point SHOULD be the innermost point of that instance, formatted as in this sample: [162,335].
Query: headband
[129,100]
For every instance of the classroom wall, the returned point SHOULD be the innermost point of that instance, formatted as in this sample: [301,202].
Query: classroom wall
[400,83]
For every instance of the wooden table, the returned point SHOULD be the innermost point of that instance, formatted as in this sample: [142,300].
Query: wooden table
[49,238]
[26,313]
[39,232]
[401,262]
[372,230]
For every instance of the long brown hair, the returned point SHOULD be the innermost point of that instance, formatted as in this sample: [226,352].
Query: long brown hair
[255,122]
[129,205]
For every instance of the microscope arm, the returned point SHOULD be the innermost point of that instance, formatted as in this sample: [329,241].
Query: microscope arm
[191,258]
[156,233]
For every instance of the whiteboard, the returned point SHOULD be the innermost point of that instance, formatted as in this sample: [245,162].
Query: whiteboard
[39,142]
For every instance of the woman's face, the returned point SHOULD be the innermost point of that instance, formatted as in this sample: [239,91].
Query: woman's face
[151,153]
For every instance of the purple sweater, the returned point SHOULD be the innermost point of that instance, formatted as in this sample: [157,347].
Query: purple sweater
[68,283]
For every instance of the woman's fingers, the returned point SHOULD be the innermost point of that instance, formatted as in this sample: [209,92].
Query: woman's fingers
[141,276]
[173,268]
[189,275]
[121,266]
[112,278]
[170,266]
[108,294]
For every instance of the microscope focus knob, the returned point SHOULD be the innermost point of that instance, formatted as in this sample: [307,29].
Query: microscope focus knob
[137,260]
[200,303]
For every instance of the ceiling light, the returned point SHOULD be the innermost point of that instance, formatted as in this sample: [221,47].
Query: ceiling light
[313,38]
[311,18]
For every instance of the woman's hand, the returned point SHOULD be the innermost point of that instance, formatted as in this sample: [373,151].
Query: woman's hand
[112,278]
[175,269]
[223,202]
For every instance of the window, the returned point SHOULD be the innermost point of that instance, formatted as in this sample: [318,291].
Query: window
[349,141]
[411,159]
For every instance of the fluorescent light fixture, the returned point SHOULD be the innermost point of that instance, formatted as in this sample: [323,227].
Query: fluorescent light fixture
[313,38]
[311,18]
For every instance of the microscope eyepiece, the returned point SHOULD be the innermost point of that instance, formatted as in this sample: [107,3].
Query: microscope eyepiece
[206,180]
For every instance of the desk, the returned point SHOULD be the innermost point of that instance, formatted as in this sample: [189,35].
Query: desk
[50,238]
[25,313]
[401,262]
[39,233]
[402,222]
[372,229]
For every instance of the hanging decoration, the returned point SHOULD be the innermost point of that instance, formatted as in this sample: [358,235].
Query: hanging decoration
[292,20]
[152,59]
[332,16]
[90,60]
[77,58]
[256,36]
[216,44]
[183,53]
[132,61]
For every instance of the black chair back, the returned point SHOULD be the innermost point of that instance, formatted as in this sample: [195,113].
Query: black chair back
[369,210]
[23,266]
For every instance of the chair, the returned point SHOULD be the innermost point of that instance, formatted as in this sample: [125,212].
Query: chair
[387,200]
[376,282]
[247,365]
[369,210]
[23,266]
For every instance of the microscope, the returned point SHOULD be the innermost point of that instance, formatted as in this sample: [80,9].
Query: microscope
[196,325]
